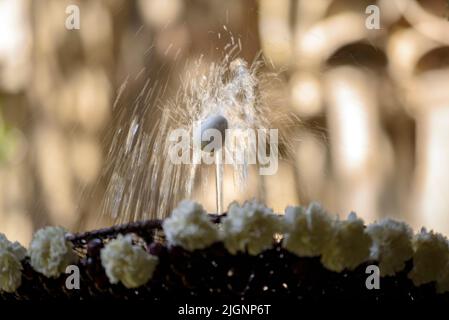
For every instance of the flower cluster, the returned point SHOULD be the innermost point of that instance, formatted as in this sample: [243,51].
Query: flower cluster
[249,228]
[307,231]
[189,227]
[348,246]
[11,255]
[392,245]
[430,259]
[126,262]
[50,253]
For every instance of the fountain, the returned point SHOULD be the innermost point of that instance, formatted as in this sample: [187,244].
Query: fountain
[142,183]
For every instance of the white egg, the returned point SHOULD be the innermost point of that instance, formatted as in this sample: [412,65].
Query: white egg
[216,122]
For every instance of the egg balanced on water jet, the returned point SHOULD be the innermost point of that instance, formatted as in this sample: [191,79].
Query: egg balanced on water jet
[211,133]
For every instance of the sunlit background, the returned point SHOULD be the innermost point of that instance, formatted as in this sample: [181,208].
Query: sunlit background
[373,104]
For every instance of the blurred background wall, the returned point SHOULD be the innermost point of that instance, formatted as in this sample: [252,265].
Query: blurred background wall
[373,103]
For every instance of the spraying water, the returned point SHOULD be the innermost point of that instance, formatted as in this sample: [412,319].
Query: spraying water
[143,183]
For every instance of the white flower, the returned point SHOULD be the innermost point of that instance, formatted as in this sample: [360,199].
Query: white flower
[127,263]
[10,271]
[307,231]
[430,258]
[249,227]
[392,245]
[14,247]
[349,245]
[50,253]
[11,253]
[190,227]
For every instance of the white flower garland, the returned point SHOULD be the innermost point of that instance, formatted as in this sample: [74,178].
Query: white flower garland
[247,228]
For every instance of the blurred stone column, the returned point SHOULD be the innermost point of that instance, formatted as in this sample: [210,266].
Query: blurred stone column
[339,108]
[419,66]
[352,113]
[432,171]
